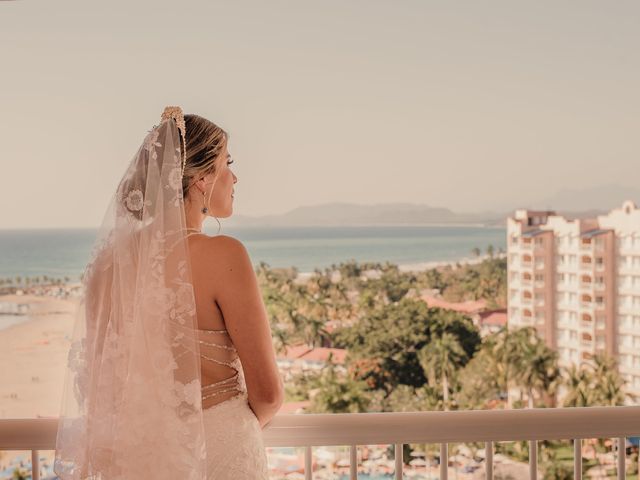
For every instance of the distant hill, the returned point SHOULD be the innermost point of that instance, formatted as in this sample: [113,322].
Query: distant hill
[571,203]
[350,214]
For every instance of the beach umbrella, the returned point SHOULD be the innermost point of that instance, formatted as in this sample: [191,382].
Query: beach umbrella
[464,450]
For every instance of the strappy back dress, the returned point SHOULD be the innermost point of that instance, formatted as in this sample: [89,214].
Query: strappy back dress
[235,449]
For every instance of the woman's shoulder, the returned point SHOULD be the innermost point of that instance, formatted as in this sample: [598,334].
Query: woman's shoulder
[226,242]
[221,247]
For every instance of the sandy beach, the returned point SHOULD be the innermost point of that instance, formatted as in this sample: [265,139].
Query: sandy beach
[33,354]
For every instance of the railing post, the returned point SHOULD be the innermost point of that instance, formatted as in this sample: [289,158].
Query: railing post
[533,459]
[488,460]
[35,465]
[353,462]
[398,459]
[444,461]
[577,459]
[308,466]
[621,458]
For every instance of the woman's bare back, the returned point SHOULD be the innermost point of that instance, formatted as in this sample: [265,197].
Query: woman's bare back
[228,299]
[222,377]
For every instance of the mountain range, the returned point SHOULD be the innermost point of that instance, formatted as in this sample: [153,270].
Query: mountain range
[572,203]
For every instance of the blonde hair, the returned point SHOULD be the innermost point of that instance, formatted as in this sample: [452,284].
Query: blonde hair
[205,141]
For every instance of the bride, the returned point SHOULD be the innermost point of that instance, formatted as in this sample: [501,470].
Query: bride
[171,371]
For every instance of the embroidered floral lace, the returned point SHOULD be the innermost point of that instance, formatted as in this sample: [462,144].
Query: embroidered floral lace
[132,399]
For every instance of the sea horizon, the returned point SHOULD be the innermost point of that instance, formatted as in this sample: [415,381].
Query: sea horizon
[64,252]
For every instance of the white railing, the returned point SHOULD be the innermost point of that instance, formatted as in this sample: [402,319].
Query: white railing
[488,426]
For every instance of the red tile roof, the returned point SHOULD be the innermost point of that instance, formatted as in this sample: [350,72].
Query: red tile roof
[294,351]
[322,354]
[494,318]
[470,306]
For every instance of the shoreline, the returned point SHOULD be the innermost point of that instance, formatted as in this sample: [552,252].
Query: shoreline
[37,345]
[430,265]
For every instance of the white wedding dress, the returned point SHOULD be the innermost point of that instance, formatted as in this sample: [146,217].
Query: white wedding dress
[138,402]
[235,449]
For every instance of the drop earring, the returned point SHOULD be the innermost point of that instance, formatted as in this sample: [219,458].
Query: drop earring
[205,210]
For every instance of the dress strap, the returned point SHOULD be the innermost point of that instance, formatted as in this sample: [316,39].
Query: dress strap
[224,330]
[217,345]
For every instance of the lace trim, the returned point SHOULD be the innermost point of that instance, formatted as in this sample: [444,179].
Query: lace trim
[241,395]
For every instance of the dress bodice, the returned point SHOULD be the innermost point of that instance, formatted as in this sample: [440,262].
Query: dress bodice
[217,348]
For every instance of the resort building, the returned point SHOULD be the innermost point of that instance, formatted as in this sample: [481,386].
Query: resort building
[577,281]
[487,320]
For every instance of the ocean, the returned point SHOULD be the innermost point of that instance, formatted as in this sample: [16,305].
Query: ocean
[63,253]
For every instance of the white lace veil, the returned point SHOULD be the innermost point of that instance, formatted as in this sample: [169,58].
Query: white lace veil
[131,406]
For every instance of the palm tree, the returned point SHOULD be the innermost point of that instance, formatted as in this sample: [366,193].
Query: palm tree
[280,338]
[313,331]
[338,393]
[578,382]
[610,385]
[521,359]
[597,383]
[490,250]
[440,358]
[505,347]
[537,369]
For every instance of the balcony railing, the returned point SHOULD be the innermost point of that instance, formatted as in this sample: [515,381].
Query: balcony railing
[488,426]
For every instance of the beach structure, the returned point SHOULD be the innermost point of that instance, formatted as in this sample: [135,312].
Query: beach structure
[577,281]
[487,320]
[302,358]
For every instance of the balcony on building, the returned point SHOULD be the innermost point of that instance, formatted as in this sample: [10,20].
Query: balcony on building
[585,262]
[586,340]
[586,301]
[526,243]
[586,282]
[586,244]
[483,427]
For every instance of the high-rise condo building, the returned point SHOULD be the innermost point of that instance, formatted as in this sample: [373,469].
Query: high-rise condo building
[578,283]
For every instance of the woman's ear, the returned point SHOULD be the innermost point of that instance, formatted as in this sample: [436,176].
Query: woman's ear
[200,185]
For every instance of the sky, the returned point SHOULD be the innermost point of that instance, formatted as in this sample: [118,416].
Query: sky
[460,104]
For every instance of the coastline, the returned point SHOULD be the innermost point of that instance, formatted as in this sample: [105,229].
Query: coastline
[423,266]
[37,346]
